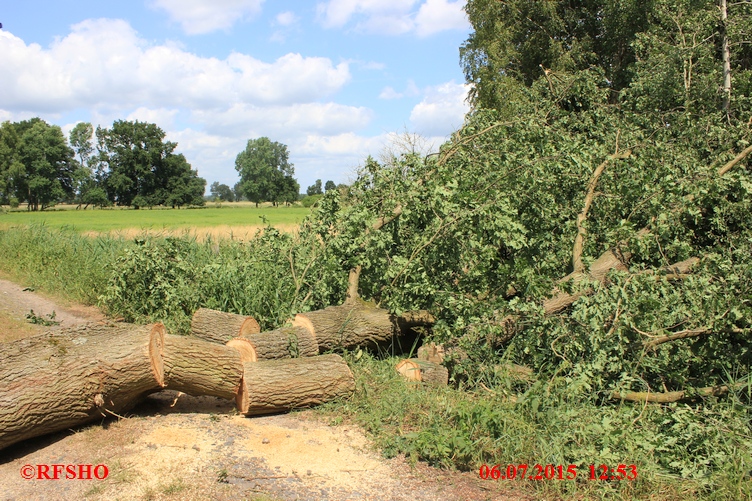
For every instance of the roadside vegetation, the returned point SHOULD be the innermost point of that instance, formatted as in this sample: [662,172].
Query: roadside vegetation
[591,221]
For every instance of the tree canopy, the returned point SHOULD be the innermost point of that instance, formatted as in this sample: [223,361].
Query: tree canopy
[655,55]
[36,164]
[266,175]
[221,192]
[139,168]
[314,189]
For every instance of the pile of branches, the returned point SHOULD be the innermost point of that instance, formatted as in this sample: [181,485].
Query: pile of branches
[609,249]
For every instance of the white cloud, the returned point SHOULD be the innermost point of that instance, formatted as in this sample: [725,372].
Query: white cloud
[442,110]
[285,121]
[389,93]
[287,18]
[440,15]
[204,16]
[394,17]
[163,117]
[104,63]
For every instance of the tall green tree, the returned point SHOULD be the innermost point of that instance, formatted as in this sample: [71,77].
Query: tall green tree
[10,166]
[266,175]
[314,189]
[653,55]
[86,188]
[39,168]
[221,192]
[141,169]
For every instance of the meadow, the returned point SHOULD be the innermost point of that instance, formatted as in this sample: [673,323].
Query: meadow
[237,220]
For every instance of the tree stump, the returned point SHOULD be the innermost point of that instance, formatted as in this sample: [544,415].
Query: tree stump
[354,324]
[430,373]
[60,379]
[281,385]
[219,327]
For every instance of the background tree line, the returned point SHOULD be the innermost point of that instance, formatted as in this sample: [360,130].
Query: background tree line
[129,165]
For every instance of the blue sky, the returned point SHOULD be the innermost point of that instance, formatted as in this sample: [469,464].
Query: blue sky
[333,80]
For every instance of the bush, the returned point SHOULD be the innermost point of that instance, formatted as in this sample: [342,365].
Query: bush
[310,200]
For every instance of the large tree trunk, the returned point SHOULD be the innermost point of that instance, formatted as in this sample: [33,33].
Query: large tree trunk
[199,367]
[356,323]
[66,378]
[287,342]
[220,327]
[280,385]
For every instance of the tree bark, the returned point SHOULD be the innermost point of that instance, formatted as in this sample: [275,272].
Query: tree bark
[199,367]
[60,379]
[354,324]
[280,385]
[287,342]
[429,373]
[220,327]
[726,60]
[674,396]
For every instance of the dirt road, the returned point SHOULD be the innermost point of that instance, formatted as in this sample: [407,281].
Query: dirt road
[175,446]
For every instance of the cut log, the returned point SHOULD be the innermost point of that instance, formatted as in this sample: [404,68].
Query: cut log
[272,386]
[199,367]
[354,324]
[287,342]
[245,348]
[429,373]
[60,379]
[220,327]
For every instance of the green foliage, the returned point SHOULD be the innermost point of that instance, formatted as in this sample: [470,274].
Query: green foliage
[314,189]
[679,451]
[309,200]
[266,173]
[47,320]
[58,261]
[221,192]
[36,164]
[138,168]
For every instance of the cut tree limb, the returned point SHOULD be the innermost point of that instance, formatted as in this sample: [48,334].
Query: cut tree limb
[271,386]
[199,367]
[579,240]
[66,378]
[674,396]
[287,342]
[354,277]
[220,327]
[424,371]
[354,324]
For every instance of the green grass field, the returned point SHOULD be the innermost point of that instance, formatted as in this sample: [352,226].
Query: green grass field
[219,221]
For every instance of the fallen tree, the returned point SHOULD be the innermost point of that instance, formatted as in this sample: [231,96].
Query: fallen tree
[61,379]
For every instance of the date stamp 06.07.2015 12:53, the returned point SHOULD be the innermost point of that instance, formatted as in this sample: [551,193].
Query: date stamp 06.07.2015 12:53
[556,472]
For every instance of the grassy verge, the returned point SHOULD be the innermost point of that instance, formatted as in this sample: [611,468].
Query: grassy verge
[679,451]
